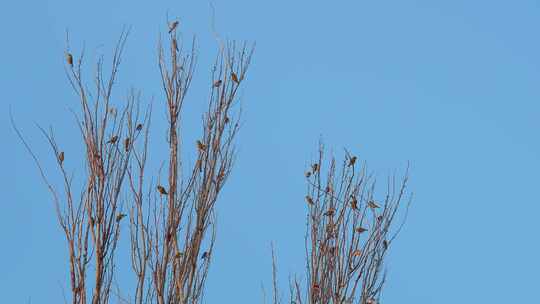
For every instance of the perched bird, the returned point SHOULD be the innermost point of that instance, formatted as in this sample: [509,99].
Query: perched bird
[204,255]
[113,140]
[354,203]
[139,127]
[61,157]
[360,229]
[371,204]
[172,26]
[385,244]
[69,58]
[162,190]
[201,146]
[120,216]
[217,83]
[315,167]
[330,212]
[226,119]
[126,144]
[308,174]
[379,218]
[234,77]
[352,160]
[357,253]
[309,200]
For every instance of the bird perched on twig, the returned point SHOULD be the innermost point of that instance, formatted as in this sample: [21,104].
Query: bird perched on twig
[201,146]
[139,127]
[126,144]
[360,229]
[217,83]
[371,204]
[113,140]
[173,26]
[354,203]
[352,160]
[234,77]
[315,167]
[227,119]
[69,59]
[330,212]
[120,216]
[204,255]
[61,157]
[385,244]
[309,199]
[161,190]
[308,174]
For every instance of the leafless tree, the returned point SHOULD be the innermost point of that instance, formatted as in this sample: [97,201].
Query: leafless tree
[172,222]
[349,233]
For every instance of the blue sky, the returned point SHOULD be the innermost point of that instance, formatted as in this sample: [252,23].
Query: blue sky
[451,86]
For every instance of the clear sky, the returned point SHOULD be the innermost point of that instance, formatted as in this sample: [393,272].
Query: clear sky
[451,86]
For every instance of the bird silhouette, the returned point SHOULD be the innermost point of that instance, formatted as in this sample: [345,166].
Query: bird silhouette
[61,157]
[139,127]
[354,203]
[204,255]
[234,77]
[217,83]
[385,244]
[162,190]
[360,229]
[371,204]
[113,140]
[173,26]
[126,144]
[308,174]
[315,167]
[309,200]
[330,212]
[352,160]
[120,216]
[69,58]
[201,146]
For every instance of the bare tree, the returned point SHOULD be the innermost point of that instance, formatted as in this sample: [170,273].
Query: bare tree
[173,225]
[349,233]
[172,222]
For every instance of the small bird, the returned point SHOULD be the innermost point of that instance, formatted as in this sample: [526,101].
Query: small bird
[120,216]
[162,190]
[204,255]
[139,127]
[357,253]
[173,26]
[126,144]
[308,174]
[330,212]
[371,204]
[226,119]
[315,167]
[201,146]
[217,83]
[309,200]
[352,160]
[385,244]
[360,229]
[113,140]
[234,77]
[354,203]
[69,59]
[61,157]
[380,218]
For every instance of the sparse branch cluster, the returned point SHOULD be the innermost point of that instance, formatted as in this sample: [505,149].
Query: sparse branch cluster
[349,233]
[171,219]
